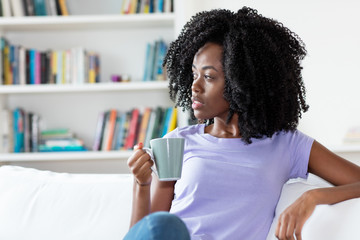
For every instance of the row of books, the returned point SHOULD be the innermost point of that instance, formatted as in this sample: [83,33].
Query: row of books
[20,132]
[122,130]
[147,6]
[60,140]
[21,8]
[154,57]
[20,65]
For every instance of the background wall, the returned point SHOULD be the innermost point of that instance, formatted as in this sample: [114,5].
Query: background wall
[331,32]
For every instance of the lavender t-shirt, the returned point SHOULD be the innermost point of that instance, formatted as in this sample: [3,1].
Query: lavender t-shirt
[228,189]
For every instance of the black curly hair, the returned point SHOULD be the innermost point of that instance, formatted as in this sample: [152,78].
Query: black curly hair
[261,62]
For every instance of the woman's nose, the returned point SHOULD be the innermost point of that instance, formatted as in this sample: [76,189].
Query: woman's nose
[196,85]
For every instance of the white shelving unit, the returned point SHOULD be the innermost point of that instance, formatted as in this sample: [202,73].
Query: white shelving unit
[121,42]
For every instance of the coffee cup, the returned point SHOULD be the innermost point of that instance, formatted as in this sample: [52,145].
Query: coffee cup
[167,155]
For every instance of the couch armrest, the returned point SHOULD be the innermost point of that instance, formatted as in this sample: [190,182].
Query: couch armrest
[330,222]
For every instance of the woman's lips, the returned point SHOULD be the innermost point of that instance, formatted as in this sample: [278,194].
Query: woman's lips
[196,104]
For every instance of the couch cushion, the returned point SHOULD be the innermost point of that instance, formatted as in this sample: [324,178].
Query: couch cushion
[331,222]
[40,205]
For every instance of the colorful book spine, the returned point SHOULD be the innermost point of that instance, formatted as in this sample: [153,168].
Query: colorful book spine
[111,129]
[144,125]
[132,129]
[37,68]
[32,66]
[166,121]
[99,132]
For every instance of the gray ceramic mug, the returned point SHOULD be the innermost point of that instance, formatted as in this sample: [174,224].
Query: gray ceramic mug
[167,154]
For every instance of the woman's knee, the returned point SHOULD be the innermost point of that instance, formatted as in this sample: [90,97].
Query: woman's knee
[162,225]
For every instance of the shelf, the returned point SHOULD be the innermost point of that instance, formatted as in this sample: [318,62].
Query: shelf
[95,87]
[86,22]
[64,156]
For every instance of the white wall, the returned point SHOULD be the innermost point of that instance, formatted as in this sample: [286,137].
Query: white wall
[331,32]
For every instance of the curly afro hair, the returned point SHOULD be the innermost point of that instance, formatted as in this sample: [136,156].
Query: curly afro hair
[261,63]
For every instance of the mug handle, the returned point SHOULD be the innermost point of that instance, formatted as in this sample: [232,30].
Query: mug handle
[153,167]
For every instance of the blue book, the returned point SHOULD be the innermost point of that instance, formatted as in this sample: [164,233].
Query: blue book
[148,62]
[40,7]
[160,6]
[32,61]
[18,126]
[120,132]
[167,116]
[44,148]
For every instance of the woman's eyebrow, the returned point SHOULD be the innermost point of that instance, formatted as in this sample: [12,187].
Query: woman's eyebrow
[206,67]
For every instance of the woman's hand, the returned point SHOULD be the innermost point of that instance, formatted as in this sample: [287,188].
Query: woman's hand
[140,166]
[292,220]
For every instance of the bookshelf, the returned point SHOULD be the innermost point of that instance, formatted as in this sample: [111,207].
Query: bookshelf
[121,42]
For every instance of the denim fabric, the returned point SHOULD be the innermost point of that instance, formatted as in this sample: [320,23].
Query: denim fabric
[159,226]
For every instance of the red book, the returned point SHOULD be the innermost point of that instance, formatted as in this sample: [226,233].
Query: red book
[132,129]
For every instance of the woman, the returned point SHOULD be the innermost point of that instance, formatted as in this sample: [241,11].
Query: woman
[240,75]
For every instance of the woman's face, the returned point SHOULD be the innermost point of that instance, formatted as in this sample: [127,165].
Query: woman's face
[208,83]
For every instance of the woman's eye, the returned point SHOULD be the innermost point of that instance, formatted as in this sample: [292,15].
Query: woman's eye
[208,76]
[195,76]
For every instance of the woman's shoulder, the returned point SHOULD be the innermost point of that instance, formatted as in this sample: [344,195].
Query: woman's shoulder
[186,130]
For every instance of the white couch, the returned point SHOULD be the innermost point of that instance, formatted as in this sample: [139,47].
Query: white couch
[43,205]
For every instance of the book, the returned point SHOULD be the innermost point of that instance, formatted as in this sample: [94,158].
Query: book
[99,132]
[148,62]
[56,133]
[40,8]
[173,120]
[144,125]
[37,68]
[59,68]
[29,7]
[44,148]
[54,64]
[166,122]
[150,128]
[159,122]
[105,134]
[159,70]
[2,45]
[62,142]
[92,68]
[27,133]
[6,8]
[111,129]
[121,131]
[114,141]
[51,7]
[18,128]
[6,131]
[63,8]
[22,65]
[17,8]
[32,63]
[7,66]
[130,141]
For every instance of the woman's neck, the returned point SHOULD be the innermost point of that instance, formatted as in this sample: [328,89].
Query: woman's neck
[221,129]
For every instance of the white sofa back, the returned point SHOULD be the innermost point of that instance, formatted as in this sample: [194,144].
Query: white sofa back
[39,205]
[43,205]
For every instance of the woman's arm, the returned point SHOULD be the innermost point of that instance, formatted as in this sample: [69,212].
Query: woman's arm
[336,170]
[143,203]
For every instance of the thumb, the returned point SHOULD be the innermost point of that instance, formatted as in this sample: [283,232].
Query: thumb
[140,145]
